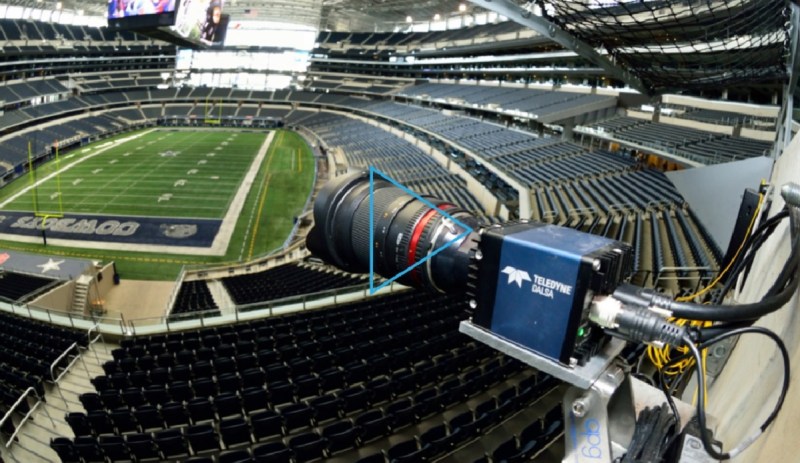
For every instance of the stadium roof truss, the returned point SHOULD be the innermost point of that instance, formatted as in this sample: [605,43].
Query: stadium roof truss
[659,46]
[341,15]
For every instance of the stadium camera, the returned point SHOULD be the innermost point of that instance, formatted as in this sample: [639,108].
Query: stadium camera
[529,283]
[552,297]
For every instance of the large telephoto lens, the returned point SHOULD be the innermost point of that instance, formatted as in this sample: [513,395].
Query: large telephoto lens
[405,231]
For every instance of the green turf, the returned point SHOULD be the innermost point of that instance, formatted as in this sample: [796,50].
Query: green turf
[132,180]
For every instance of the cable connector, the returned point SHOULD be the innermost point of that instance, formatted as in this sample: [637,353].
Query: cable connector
[636,323]
[791,194]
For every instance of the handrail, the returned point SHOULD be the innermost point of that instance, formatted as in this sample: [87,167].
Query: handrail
[55,362]
[176,289]
[259,309]
[95,327]
[303,297]
[13,408]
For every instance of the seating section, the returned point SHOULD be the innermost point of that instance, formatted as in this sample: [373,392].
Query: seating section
[20,287]
[598,191]
[365,145]
[285,281]
[14,150]
[330,42]
[343,381]
[719,117]
[193,297]
[38,33]
[15,93]
[360,85]
[691,143]
[527,442]
[539,103]
[27,352]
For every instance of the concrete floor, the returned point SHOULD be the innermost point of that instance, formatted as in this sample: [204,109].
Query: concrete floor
[137,299]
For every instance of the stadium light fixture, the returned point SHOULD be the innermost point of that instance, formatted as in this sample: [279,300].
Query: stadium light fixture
[437,17]
[409,19]
[462,7]
[59,5]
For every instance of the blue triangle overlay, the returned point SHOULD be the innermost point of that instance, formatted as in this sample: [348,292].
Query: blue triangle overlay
[372,172]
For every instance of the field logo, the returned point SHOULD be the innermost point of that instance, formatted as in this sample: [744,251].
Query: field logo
[179,231]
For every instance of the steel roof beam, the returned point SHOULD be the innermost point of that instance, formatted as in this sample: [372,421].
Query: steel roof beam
[547,29]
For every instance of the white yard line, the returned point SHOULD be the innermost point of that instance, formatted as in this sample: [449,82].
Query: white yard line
[221,241]
[112,144]
[229,221]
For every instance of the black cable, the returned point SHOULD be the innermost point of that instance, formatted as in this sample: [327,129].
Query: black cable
[701,411]
[758,238]
[668,393]
[776,297]
[743,263]
[779,294]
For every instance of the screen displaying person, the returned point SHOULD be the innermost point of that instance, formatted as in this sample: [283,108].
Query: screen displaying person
[210,29]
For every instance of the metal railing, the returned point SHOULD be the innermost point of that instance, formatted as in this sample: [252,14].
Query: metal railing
[99,337]
[682,274]
[56,362]
[176,289]
[10,412]
[115,324]
[303,302]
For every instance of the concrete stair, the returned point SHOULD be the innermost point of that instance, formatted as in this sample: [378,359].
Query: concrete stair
[48,420]
[221,296]
[81,293]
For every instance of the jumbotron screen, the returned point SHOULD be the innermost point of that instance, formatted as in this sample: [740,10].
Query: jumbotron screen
[128,8]
[202,21]
[140,14]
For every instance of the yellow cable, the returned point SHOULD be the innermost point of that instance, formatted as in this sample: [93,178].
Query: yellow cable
[735,256]
[660,357]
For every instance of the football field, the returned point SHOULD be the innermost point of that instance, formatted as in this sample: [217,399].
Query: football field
[160,173]
[163,198]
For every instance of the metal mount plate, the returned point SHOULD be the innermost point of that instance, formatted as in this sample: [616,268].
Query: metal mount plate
[579,376]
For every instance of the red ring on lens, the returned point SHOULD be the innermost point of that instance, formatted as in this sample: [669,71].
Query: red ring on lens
[416,235]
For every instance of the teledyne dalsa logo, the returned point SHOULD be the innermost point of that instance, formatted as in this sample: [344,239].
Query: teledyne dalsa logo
[545,287]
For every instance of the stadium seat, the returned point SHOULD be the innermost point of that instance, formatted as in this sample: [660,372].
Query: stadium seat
[148,418]
[65,449]
[142,446]
[266,424]
[174,414]
[308,447]
[79,424]
[114,448]
[235,456]
[171,443]
[123,420]
[228,404]
[273,452]
[235,431]
[254,399]
[200,409]
[202,438]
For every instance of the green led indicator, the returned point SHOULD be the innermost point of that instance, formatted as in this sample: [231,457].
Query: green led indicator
[581,332]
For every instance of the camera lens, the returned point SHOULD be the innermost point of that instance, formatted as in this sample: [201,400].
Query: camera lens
[405,231]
